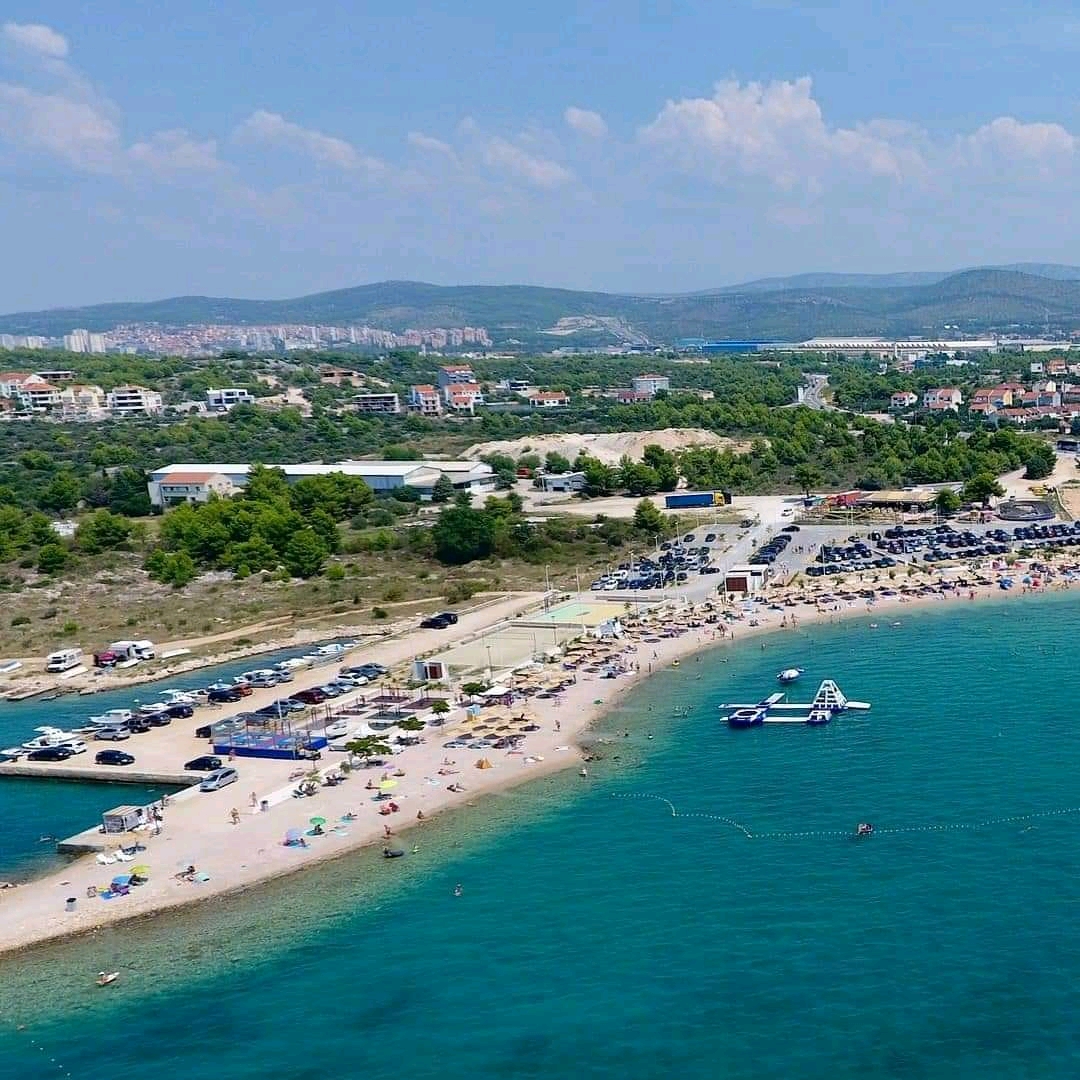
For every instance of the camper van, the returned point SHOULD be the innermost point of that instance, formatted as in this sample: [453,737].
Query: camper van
[63,660]
[132,650]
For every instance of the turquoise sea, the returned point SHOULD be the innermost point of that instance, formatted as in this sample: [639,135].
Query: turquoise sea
[601,936]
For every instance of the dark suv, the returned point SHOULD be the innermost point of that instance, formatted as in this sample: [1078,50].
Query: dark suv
[435,622]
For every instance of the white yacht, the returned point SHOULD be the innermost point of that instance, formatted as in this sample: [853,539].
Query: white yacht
[153,708]
[52,736]
[112,718]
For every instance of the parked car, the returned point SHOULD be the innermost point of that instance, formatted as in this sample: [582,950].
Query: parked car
[449,616]
[114,757]
[180,711]
[206,763]
[162,719]
[51,753]
[314,696]
[224,696]
[112,734]
[218,779]
[372,671]
[202,732]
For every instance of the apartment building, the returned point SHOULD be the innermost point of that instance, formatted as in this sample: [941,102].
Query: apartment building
[425,400]
[455,374]
[133,401]
[375,403]
[223,400]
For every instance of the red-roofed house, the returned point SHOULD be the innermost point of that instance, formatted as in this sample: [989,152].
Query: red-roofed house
[903,399]
[549,399]
[463,397]
[943,398]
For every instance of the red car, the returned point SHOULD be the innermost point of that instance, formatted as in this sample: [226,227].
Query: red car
[314,696]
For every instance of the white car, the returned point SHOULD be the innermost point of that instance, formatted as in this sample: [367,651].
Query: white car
[219,778]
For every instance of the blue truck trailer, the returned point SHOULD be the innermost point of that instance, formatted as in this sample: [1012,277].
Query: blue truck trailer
[687,499]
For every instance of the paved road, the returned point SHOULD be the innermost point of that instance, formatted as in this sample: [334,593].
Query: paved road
[816,385]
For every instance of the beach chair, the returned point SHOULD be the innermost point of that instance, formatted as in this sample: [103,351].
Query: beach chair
[121,856]
[104,860]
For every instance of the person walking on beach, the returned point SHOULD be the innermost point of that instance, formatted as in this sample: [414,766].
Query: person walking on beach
[234,815]
[253,800]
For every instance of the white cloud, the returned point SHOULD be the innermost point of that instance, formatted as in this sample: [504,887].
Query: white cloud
[36,38]
[776,130]
[585,122]
[272,128]
[1012,139]
[430,144]
[539,171]
[75,131]
[169,153]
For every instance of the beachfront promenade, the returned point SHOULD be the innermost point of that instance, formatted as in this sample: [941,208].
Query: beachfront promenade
[199,828]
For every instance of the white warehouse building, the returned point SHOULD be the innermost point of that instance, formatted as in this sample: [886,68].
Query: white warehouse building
[174,484]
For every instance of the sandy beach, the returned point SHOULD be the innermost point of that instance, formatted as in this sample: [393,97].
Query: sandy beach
[199,829]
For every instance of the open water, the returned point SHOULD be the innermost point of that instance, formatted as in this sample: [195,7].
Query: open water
[600,936]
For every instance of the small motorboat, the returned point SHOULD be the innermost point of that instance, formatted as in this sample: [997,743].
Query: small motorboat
[789,675]
[107,978]
[392,853]
[864,828]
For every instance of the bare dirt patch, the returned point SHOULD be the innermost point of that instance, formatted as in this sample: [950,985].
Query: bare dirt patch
[607,447]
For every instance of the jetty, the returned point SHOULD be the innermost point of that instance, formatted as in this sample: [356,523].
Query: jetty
[828,702]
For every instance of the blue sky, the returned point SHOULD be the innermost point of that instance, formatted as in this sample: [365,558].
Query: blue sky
[283,149]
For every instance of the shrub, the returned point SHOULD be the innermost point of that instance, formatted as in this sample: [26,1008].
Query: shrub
[69,628]
[20,620]
[378,613]
[335,572]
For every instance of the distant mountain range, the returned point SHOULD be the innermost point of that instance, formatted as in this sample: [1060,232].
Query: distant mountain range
[1028,296]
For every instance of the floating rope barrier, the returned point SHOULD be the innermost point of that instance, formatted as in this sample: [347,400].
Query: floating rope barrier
[60,1068]
[886,830]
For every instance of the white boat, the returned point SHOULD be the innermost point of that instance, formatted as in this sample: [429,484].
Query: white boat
[789,675]
[52,736]
[153,708]
[112,718]
[180,697]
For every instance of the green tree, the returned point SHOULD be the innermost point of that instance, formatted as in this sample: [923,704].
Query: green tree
[463,534]
[305,554]
[555,462]
[648,518]
[807,476]
[1040,462]
[443,491]
[176,568]
[947,502]
[62,493]
[369,746]
[102,531]
[440,707]
[982,488]
[52,558]
[128,495]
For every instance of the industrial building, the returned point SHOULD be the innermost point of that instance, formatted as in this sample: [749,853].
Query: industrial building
[174,484]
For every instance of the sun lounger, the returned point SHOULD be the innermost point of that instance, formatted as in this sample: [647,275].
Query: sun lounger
[104,860]
[122,856]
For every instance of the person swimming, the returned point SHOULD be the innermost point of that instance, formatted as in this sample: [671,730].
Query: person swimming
[458,890]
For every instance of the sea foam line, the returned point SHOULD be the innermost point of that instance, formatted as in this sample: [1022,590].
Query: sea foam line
[887,830]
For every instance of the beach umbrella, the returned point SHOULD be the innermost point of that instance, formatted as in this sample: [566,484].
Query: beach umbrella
[122,879]
[140,871]
[387,785]
[317,821]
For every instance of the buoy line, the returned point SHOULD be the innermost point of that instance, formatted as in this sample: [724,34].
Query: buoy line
[879,830]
